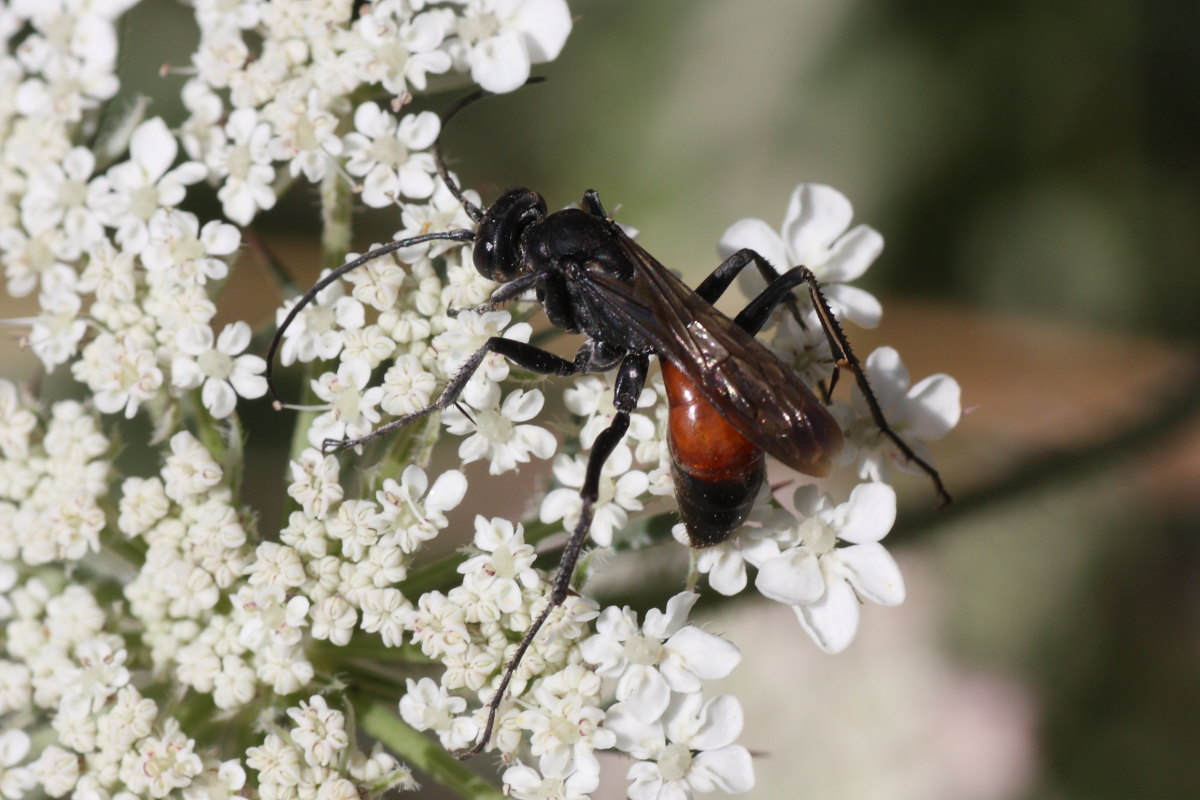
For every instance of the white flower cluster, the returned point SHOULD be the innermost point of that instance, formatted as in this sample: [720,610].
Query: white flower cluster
[153,641]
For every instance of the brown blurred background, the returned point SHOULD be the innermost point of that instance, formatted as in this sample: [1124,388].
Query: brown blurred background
[1033,168]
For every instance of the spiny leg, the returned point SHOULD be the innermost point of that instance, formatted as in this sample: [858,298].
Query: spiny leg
[522,354]
[755,314]
[631,377]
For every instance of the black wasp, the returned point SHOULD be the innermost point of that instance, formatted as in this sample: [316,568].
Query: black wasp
[731,399]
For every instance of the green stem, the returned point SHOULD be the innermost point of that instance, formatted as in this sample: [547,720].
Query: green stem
[335,219]
[207,429]
[381,721]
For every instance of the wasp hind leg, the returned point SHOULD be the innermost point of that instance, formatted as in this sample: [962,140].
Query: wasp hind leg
[758,310]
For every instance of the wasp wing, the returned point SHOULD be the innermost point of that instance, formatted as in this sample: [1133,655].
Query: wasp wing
[748,384]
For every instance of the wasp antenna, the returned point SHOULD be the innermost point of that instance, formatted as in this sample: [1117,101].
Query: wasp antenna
[461,235]
[473,211]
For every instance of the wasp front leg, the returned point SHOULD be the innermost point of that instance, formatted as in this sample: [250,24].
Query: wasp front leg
[631,377]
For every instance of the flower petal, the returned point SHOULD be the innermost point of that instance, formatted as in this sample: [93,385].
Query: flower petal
[500,64]
[153,148]
[793,577]
[447,492]
[218,397]
[935,406]
[694,653]
[832,621]
[873,573]
[869,513]
[662,624]
[645,690]
[816,216]
[757,236]
[721,721]
[888,375]
[728,769]
[545,25]
[852,254]
[855,304]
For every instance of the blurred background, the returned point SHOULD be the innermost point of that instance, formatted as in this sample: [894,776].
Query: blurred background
[1034,170]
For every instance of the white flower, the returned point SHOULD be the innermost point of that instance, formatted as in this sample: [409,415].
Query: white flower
[130,718]
[378,282]
[825,584]
[398,48]
[551,780]
[122,371]
[351,406]
[495,436]
[697,753]
[814,235]
[384,611]
[266,618]
[320,730]
[15,780]
[416,520]
[382,149]
[407,386]
[100,674]
[159,765]
[923,413]
[276,761]
[618,495]
[505,37]
[315,483]
[591,396]
[663,656]
[223,373]
[314,333]
[29,260]
[334,618]
[57,770]
[190,469]
[439,626]
[130,193]
[56,197]
[143,503]
[244,161]
[443,212]
[185,253]
[201,133]
[725,563]
[56,332]
[284,669]
[16,421]
[463,337]
[505,566]
[565,730]
[306,137]
[276,565]
[235,685]
[428,707]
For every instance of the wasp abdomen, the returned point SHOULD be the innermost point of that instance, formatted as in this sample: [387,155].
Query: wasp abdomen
[717,470]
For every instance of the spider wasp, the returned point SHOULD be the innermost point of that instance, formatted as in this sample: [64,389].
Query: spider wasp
[730,399]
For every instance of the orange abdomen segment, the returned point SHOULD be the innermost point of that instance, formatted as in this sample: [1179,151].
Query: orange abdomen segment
[717,470]
[702,441]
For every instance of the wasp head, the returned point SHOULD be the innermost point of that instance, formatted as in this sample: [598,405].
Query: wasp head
[499,254]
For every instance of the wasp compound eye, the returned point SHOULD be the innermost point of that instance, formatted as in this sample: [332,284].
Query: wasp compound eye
[498,252]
